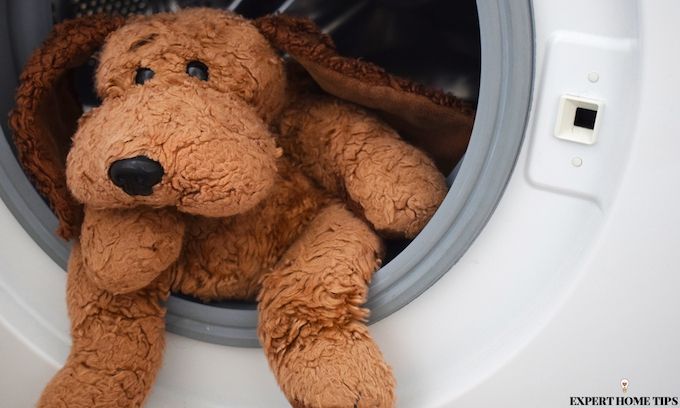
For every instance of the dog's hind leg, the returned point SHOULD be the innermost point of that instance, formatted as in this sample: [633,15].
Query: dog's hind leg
[118,342]
[312,324]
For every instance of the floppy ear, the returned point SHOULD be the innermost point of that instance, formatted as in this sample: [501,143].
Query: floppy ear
[437,122]
[46,112]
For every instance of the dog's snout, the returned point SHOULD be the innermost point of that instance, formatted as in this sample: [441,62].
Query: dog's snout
[137,175]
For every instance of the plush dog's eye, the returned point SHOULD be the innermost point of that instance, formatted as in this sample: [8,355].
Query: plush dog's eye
[197,69]
[143,75]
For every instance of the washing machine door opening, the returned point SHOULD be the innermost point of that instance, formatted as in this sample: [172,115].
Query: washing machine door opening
[480,52]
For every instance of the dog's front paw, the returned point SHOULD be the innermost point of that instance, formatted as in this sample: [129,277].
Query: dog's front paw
[336,372]
[399,197]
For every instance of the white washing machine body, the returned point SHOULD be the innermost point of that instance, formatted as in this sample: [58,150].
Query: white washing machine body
[571,286]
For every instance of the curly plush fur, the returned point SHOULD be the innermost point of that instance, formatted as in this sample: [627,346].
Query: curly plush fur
[259,179]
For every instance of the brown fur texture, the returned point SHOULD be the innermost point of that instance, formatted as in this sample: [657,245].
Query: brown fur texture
[212,137]
[41,143]
[354,154]
[235,216]
[118,343]
[312,323]
[438,122]
[125,250]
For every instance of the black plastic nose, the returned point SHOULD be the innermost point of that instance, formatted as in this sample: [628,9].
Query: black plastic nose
[136,176]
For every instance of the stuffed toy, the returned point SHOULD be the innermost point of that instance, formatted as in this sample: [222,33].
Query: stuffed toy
[217,168]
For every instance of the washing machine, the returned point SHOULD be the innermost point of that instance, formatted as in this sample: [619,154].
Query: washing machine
[549,276]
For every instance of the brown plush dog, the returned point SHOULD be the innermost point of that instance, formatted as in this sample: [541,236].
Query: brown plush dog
[208,171]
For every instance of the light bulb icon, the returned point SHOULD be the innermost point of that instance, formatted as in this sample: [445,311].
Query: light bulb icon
[624,385]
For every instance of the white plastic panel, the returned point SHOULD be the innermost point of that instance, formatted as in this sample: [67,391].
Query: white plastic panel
[620,318]
[592,71]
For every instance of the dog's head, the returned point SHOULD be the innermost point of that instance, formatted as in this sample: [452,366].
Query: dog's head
[187,100]
[188,103]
